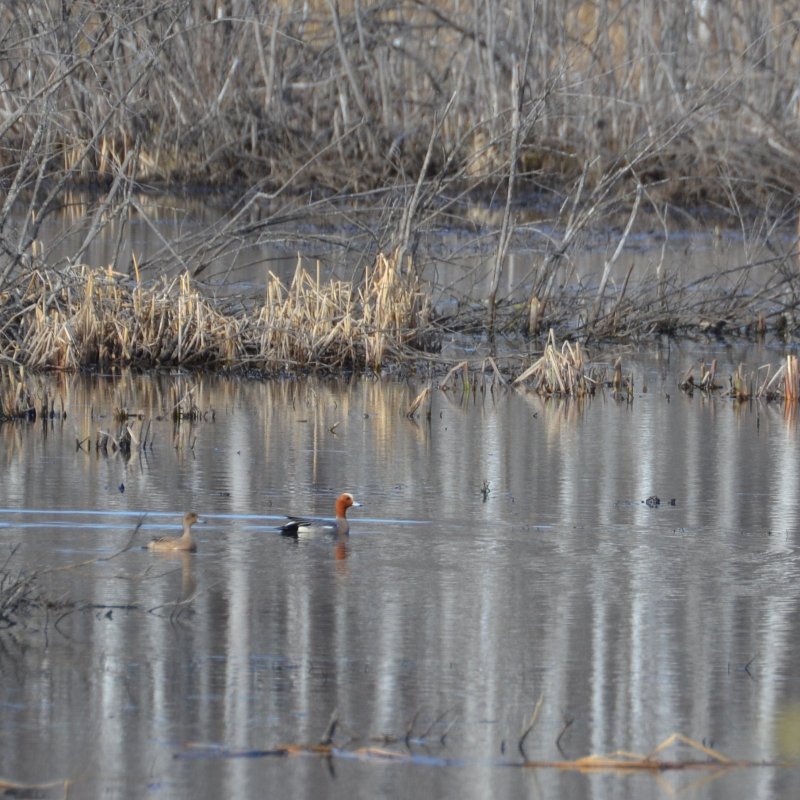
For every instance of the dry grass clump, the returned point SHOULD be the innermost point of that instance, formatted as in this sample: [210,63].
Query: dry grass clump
[86,317]
[764,383]
[707,381]
[562,371]
[15,398]
[314,323]
[394,308]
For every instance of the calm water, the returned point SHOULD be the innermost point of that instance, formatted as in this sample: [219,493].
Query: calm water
[444,617]
[167,235]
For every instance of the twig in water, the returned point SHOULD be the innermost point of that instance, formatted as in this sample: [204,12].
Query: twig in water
[529,728]
[447,730]
[327,738]
[567,725]
[410,729]
[174,605]
[119,552]
[679,737]
[746,667]
[418,401]
[433,724]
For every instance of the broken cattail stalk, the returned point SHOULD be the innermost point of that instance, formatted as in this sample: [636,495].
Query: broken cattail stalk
[418,401]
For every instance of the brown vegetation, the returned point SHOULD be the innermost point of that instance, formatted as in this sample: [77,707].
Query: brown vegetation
[24,397]
[598,111]
[562,371]
[348,93]
[765,383]
[80,318]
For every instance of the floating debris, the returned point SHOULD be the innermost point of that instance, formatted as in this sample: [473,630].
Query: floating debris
[619,762]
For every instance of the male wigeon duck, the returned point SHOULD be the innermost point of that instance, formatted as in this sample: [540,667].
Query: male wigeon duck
[308,526]
[185,542]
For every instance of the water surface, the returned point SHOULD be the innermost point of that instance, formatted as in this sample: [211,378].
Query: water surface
[443,618]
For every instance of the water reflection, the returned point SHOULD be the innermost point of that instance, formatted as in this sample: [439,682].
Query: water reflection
[159,236]
[447,612]
[188,585]
[340,552]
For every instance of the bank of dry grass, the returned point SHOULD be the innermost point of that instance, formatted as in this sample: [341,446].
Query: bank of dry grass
[97,318]
[80,317]
[83,318]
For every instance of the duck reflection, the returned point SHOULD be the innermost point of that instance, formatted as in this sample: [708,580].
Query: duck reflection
[188,580]
[340,549]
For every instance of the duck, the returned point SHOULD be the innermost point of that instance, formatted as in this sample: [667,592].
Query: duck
[309,526]
[184,542]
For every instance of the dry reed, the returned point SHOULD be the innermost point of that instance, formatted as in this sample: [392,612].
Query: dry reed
[764,383]
[82,318]
[578,102]
[562,371]
[236,92]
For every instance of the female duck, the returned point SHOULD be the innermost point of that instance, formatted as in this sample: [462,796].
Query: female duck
[308,526]
[173,543]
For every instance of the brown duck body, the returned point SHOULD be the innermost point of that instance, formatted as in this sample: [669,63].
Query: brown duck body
[184,542]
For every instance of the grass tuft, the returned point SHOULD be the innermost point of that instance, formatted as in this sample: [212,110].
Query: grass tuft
[562,371]
[99,318]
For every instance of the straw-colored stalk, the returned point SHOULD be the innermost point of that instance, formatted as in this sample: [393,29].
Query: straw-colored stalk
[23,398]
[94,317]
[740,388]
[97,317]
[791,381]
[561,371]
[315,323]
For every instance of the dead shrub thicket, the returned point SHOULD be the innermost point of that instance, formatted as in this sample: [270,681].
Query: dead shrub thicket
[209,90]
[215,91]
[598,109]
